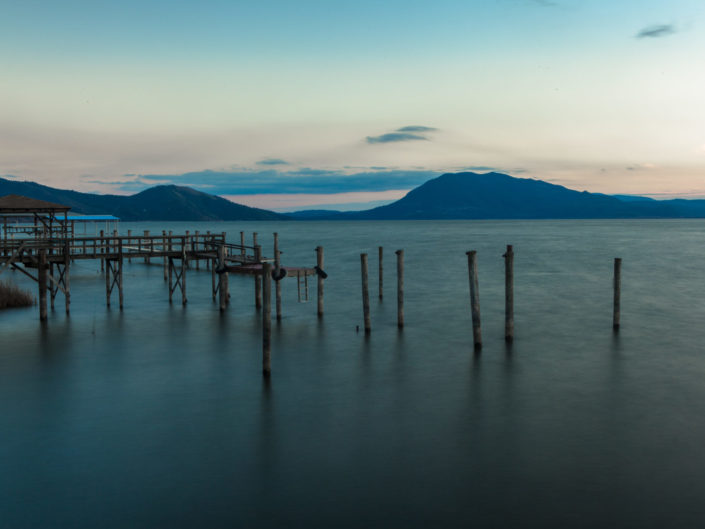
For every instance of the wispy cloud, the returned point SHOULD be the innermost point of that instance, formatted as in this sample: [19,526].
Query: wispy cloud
[417,128]
[657,31]
[272,161]
[394,137]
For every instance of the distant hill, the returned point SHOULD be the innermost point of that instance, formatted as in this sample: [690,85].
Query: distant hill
[166,202]
[449,196]
[500,196]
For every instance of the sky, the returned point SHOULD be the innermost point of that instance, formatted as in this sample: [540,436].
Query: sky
[295,105]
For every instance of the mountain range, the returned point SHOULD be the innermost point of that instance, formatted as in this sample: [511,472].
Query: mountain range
[164,202]
[449,196]
[500,196]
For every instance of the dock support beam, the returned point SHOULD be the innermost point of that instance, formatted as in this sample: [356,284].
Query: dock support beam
[223,287]
[42,282]
[67,277]
[147,245]
[178,275]
[267,320]
[102,250]
[319,287]
[166,260]
[258,278]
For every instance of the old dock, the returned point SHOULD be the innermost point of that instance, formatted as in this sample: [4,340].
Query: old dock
[40,241]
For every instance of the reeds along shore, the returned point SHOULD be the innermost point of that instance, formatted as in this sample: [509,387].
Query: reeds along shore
[11,296]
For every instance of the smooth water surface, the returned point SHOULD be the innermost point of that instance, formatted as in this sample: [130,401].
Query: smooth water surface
[158,416]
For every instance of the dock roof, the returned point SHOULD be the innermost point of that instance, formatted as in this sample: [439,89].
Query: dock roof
[12,204]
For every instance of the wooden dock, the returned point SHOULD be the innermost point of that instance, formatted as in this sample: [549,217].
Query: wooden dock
[48,261]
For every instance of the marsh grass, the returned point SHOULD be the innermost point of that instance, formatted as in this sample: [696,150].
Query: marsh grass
[12,296]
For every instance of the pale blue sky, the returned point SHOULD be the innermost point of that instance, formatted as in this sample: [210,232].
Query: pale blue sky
[99,93]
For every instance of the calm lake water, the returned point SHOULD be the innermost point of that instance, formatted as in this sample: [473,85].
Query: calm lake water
[158,416]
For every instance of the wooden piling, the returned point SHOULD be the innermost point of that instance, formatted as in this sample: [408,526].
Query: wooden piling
[365,293]
[208,248]
[474,300]
[381,272]
[171,274]
[242,245]
[129,241]
[277,271]
[166,259]
[319,285]
[267,320]
[194,248]
[616,313]
[400,288]
[258,278]
[223,287]
[52,288]
[212,278]
[187,244]
[67,277]
[119,263]
[147,245]
[509,294]
[102,250]
[108,278]
[183,271]
[42,282]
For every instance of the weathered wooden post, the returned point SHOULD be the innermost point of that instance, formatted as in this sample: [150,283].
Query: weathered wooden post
[223,287]
[147,246]
[617,292]
[171,274]
[381,273]
[67,277]
[195,250]
[108,279]
[258,278]
[52,288]
[213,267]
[277,283]
[365,293]
[319,275]
[208,248]
[129,241]
[42,282]
[183,271]
[166,259]
[188,248]
[102,251]
[474,300]
[267,320]
[509,294]
[400,288]
[119,263]
[242,245]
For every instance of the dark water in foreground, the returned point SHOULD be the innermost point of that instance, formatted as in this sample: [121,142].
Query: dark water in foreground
[158,416]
